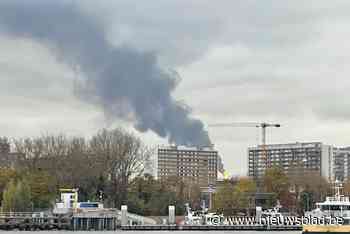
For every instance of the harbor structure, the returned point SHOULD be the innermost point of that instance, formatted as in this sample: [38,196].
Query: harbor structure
[197,165]
[85,215]
[296,157]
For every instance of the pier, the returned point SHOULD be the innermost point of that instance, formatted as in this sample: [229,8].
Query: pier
[209,228]
[93,221]
[110,219]
[33,221]
[87,221]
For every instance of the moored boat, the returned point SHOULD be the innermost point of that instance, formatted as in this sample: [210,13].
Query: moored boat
[333,214]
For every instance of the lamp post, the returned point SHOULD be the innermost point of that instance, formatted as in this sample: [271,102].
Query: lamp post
[307,202]
[210,190]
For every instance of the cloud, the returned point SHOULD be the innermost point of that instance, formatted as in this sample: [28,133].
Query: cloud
[182,31]
[243,60]
[36,94]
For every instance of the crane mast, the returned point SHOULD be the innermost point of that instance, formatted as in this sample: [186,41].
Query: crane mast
[263,127]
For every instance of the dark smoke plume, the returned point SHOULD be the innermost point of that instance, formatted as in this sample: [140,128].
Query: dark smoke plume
[122,80]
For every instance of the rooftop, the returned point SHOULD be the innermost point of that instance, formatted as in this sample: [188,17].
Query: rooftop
[187,148]
[289,145]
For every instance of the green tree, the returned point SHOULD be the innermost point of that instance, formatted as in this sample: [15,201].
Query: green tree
[6,175]
[16,197]
[224,198]
[158,205]
[135,204]
[276,181]
[140,193]
[42,189]
[148,196]
[8,200]
[243,193]
[306,201]
[22,197]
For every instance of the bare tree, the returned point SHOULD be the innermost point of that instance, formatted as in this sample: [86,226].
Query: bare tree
[4,145]
[30,150]
[123,156]
[108,161]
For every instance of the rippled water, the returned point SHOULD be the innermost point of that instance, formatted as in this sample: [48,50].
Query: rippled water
[153,232]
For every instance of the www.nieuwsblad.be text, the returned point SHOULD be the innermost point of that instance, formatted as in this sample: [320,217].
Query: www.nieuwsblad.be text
[273,221]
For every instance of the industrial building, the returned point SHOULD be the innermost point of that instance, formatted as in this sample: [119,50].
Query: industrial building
[191,164]
[292,158]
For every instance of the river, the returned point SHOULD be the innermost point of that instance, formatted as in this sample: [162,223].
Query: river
[150,232]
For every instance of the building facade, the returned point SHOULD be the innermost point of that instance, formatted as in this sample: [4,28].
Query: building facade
[191,164]
[341,164]
[292,158]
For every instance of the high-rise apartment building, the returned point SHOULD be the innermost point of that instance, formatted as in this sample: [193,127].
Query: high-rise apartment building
[191,164]
[341,164]
[292,158]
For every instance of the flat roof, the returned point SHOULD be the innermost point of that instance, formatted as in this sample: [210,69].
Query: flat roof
[288,145]
[187,148]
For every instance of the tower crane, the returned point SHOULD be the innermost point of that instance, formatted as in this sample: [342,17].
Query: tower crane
[263,127]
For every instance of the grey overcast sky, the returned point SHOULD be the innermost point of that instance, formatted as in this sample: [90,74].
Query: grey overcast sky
[239,60]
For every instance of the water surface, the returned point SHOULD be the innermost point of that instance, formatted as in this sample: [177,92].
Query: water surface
[151,232]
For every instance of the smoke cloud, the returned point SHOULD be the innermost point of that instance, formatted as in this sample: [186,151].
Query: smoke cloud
[123,81]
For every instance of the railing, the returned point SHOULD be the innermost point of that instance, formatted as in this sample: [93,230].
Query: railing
[137,218]
[335,199]
[21,214]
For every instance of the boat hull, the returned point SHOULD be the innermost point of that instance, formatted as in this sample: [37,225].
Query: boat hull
[329,229]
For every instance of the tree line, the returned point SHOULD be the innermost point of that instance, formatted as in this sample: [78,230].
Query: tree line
[109,166]
[297,192]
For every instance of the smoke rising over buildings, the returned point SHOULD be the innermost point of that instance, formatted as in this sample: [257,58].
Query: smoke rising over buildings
[123,81]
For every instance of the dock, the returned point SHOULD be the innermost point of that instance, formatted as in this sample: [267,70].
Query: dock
[93,220]
[88,221]
[110,219]
[209,228]
[33,221]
